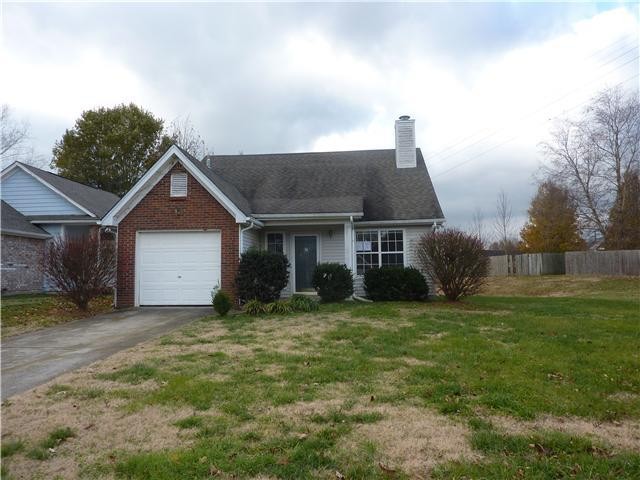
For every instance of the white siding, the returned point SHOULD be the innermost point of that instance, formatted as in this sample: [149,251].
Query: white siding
[30,197]
[250,239]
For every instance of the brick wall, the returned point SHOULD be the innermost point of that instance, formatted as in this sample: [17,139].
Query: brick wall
[22,264]
[158,211]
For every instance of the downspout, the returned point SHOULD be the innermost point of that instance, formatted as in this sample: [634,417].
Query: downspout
[242,230]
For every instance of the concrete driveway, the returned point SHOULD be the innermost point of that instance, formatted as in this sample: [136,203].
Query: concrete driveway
[34,358]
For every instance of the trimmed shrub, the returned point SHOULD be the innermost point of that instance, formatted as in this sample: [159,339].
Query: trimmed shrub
[455,259]
[279,307]
[300,303]
[332,281]
[255,307]
[395,283]
[261,275]
[221,303]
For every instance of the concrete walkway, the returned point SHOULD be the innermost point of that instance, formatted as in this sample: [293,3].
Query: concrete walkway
[34,358]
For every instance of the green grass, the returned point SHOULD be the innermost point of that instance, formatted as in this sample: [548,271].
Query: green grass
[543,455]
[11,447]
[517,356]
[25,313]
[43,450]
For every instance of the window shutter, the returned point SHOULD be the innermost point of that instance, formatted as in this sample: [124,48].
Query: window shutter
[178,184]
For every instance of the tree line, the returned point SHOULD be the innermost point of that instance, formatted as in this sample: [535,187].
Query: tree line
[588,189]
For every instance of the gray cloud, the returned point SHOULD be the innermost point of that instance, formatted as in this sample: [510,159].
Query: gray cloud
[224,66]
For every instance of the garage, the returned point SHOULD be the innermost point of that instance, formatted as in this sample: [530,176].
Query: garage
[177,268]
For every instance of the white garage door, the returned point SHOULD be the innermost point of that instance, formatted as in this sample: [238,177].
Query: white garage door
[178,268]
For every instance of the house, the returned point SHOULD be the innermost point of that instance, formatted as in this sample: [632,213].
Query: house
[36,206]
[183,226]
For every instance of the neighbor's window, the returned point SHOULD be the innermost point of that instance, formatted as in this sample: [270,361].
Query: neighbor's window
[179,184]
[378,248]
[275,242]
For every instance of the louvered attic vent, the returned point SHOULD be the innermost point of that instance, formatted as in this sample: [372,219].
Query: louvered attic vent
[178,184]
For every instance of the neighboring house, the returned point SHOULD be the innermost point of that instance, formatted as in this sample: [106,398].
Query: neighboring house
[37,205]
[183,226]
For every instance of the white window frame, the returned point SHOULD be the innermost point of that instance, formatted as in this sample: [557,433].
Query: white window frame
[379,253]
[266,240]
[175,175]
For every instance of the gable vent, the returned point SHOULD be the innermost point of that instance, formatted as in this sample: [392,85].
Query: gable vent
[405,142]
[179,184]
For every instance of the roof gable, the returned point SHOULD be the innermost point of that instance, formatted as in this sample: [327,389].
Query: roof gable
[220,190]
[84,199]
[32,197]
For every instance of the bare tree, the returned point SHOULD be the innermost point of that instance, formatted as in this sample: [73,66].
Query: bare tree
[185,135]
[591,155]
[13,137]
[477,227]
[503,222]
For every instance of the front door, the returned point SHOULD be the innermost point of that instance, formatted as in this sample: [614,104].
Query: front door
[306,258]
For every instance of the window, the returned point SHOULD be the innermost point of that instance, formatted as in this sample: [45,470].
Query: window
[379,248]
[179,184]
[275,242]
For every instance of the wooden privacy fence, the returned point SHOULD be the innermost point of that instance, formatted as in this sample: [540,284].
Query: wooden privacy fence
[527,264]
[610,262]
[592,262]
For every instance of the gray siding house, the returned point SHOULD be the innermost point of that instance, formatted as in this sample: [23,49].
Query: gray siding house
[36,206]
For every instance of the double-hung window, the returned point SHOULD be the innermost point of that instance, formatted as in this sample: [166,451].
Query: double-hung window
[378,248]
[275,242]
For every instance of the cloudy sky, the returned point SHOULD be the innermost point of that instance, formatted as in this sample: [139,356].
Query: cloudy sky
[483,81]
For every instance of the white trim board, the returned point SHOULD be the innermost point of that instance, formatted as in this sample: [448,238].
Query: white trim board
[155,174]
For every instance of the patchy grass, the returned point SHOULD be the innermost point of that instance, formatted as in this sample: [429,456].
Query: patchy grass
[495,387]
[25,313]
[44,449]
[577,286]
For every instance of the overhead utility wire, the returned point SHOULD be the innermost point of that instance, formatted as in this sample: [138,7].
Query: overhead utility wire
[455,144]
[516,136]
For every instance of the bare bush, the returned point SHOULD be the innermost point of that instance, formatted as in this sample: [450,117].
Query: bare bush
[82,267]
[455,259]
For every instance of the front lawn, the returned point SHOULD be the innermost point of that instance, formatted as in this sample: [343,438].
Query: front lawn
[495,387]
[25,313]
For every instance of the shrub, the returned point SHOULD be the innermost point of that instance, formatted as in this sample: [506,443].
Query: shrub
[456,260]
[395,283]
[81,268]
[279,307]
[221,303]
[261,275]
[332,281]
[300,303]
[255,307]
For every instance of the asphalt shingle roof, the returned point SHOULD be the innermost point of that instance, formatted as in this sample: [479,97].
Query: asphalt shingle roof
[327,182]
[13,222]
[95,200]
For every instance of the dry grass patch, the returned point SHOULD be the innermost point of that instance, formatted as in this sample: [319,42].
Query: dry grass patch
[623,435]
[414,439]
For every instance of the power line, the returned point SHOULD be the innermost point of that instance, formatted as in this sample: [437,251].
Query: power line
[516,136]
[465,139]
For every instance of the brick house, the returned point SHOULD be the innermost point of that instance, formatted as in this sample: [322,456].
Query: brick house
[183,226]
